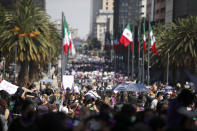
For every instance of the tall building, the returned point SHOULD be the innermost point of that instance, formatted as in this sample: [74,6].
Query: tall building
[104,20]
[184,8]
[142,8]
[96,5]
[41,3]
[150,9]
[121,10]
[128,11]
[167,11]
[156,10]
[134,11]
[10,4]
[73,31]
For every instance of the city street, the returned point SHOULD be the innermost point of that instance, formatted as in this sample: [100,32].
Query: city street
[98,65]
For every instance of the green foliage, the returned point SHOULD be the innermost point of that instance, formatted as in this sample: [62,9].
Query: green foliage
[94,44]
[27,28]
[180,39]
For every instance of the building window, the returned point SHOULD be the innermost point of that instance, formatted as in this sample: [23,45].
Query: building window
[106,8]
[106,3]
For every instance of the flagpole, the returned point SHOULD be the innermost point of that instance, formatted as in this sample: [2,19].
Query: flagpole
[62,51]
[133,55]
[143,68]
[139,46]
[167,68]
[148,73]
[129,46]
[143,59]
[123,55]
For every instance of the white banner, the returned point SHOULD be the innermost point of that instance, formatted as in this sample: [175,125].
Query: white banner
[9,87]
[68,81]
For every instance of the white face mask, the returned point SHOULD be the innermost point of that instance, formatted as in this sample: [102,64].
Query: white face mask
[189,108]
[161,98]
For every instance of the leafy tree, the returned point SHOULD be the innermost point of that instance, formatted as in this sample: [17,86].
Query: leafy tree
[180,40]
[28,31]
[94,44]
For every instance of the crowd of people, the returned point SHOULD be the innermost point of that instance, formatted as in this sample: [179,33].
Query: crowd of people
[93,105]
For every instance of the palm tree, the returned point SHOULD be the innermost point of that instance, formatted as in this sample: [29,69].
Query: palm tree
[54,51]
[181,42]
[27,30]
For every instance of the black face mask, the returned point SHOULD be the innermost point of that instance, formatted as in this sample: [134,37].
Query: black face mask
[30,114]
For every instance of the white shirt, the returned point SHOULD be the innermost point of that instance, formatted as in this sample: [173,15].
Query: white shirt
[63,109]
[93,94]
[154,104]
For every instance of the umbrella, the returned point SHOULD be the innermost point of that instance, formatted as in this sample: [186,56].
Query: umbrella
[131,87]
[168,87]
[46,80]
[122,87]
[142,88]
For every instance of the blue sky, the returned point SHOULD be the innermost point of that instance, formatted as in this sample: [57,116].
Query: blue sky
[77,13]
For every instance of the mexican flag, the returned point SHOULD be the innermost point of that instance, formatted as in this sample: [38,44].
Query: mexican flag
[70,39]
[65,36]
[126,37]
[144,38]
[67,40]
[153,44]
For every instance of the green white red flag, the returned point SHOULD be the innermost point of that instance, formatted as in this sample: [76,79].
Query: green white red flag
[127,37]
[144,38]
[70,39]
[153,42]
[67,40]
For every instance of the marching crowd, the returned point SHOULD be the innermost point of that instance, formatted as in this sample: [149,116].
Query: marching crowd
[93,105]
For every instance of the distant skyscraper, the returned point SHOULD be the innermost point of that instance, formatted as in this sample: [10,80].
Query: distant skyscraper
[41,3]
[104,20]
[134,11]
[142,8]
[128,11]
[96,5]
[167,11]
[10,4]
[121,10]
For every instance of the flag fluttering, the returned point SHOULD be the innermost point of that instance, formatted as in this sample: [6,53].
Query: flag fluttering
[153,42]
[67,40]
[126,37]
[144,38]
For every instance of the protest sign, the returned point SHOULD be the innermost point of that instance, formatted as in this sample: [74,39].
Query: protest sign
[9,87]
[68,81]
